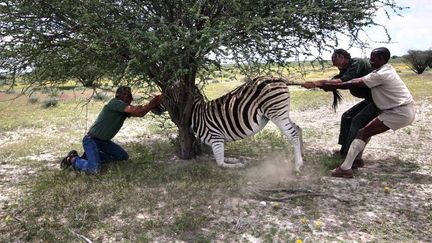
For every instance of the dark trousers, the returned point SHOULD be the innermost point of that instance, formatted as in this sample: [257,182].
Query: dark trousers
[353,120]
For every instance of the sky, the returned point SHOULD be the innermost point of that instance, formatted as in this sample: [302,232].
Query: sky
[411,31]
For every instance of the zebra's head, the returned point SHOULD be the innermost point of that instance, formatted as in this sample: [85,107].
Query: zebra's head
[159,110]
[177,94]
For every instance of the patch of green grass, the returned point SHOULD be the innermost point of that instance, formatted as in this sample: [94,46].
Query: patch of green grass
[265,142]
[216,90]
[37,144]
[271,235]
[390,230]
[419,85]
[189,221]
[64,200]
[329,163]
[18,113]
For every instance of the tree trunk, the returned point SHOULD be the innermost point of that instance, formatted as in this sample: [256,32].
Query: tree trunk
[188,147]
[178,100]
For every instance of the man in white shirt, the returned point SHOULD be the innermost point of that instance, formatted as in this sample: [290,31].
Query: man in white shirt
[390,95]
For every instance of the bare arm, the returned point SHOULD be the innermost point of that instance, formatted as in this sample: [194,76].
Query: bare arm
[353,83]
[319,83]
[137,111]
[141,110]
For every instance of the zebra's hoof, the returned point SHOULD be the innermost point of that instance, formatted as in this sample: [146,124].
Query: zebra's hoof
[232,166]
[229,160]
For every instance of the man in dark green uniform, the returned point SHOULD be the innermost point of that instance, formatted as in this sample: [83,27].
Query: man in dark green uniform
[360,114]
[97,142]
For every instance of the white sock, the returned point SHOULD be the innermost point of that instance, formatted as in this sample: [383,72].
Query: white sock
[360,155]
[356,147]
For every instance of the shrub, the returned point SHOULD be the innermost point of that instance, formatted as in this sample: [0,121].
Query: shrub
[418,61]
[429,55]
[50,102]
[10,91]
[33,100]
[101,97]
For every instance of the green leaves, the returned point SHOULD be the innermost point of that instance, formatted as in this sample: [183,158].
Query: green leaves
[162,37]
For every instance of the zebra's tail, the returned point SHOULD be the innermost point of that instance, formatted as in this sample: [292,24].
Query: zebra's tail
[337,98]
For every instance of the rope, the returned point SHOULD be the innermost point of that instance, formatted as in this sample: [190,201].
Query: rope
[294,83]
[288,82]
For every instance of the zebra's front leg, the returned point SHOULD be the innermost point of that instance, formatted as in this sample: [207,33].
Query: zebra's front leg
[218,152]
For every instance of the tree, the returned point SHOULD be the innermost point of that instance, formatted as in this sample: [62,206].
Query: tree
[160,41]
[430,58]
[418,60]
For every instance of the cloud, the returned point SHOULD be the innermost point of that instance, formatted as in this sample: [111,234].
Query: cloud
[410,31]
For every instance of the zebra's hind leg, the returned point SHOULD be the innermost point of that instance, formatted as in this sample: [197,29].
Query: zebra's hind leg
[218,152]
[294,133]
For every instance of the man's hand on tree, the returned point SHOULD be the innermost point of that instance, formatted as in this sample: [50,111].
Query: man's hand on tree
[156,101]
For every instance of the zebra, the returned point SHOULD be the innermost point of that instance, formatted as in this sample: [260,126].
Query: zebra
[244,112]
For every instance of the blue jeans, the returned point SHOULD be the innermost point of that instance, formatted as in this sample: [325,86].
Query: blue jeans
[98,151]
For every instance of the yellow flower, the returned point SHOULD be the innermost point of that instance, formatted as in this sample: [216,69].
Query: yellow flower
[299,241]
[8,219]
[387,189]
[276,205]
[303,220]
[318,224]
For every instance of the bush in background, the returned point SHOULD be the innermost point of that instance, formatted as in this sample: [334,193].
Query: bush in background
[101,97]
[418,61]
[50,102]
[33,100]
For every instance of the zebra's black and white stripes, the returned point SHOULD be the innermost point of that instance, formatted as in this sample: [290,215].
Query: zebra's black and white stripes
[244,112]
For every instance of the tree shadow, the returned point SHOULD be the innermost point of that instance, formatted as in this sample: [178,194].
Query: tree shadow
[393,169]
[390,168]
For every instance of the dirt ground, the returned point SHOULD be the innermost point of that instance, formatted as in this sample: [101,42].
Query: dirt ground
[390,199]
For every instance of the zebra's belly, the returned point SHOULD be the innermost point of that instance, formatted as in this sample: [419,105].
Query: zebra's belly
[242,133]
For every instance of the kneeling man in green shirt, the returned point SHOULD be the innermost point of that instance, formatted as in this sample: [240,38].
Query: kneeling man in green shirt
[97,142]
